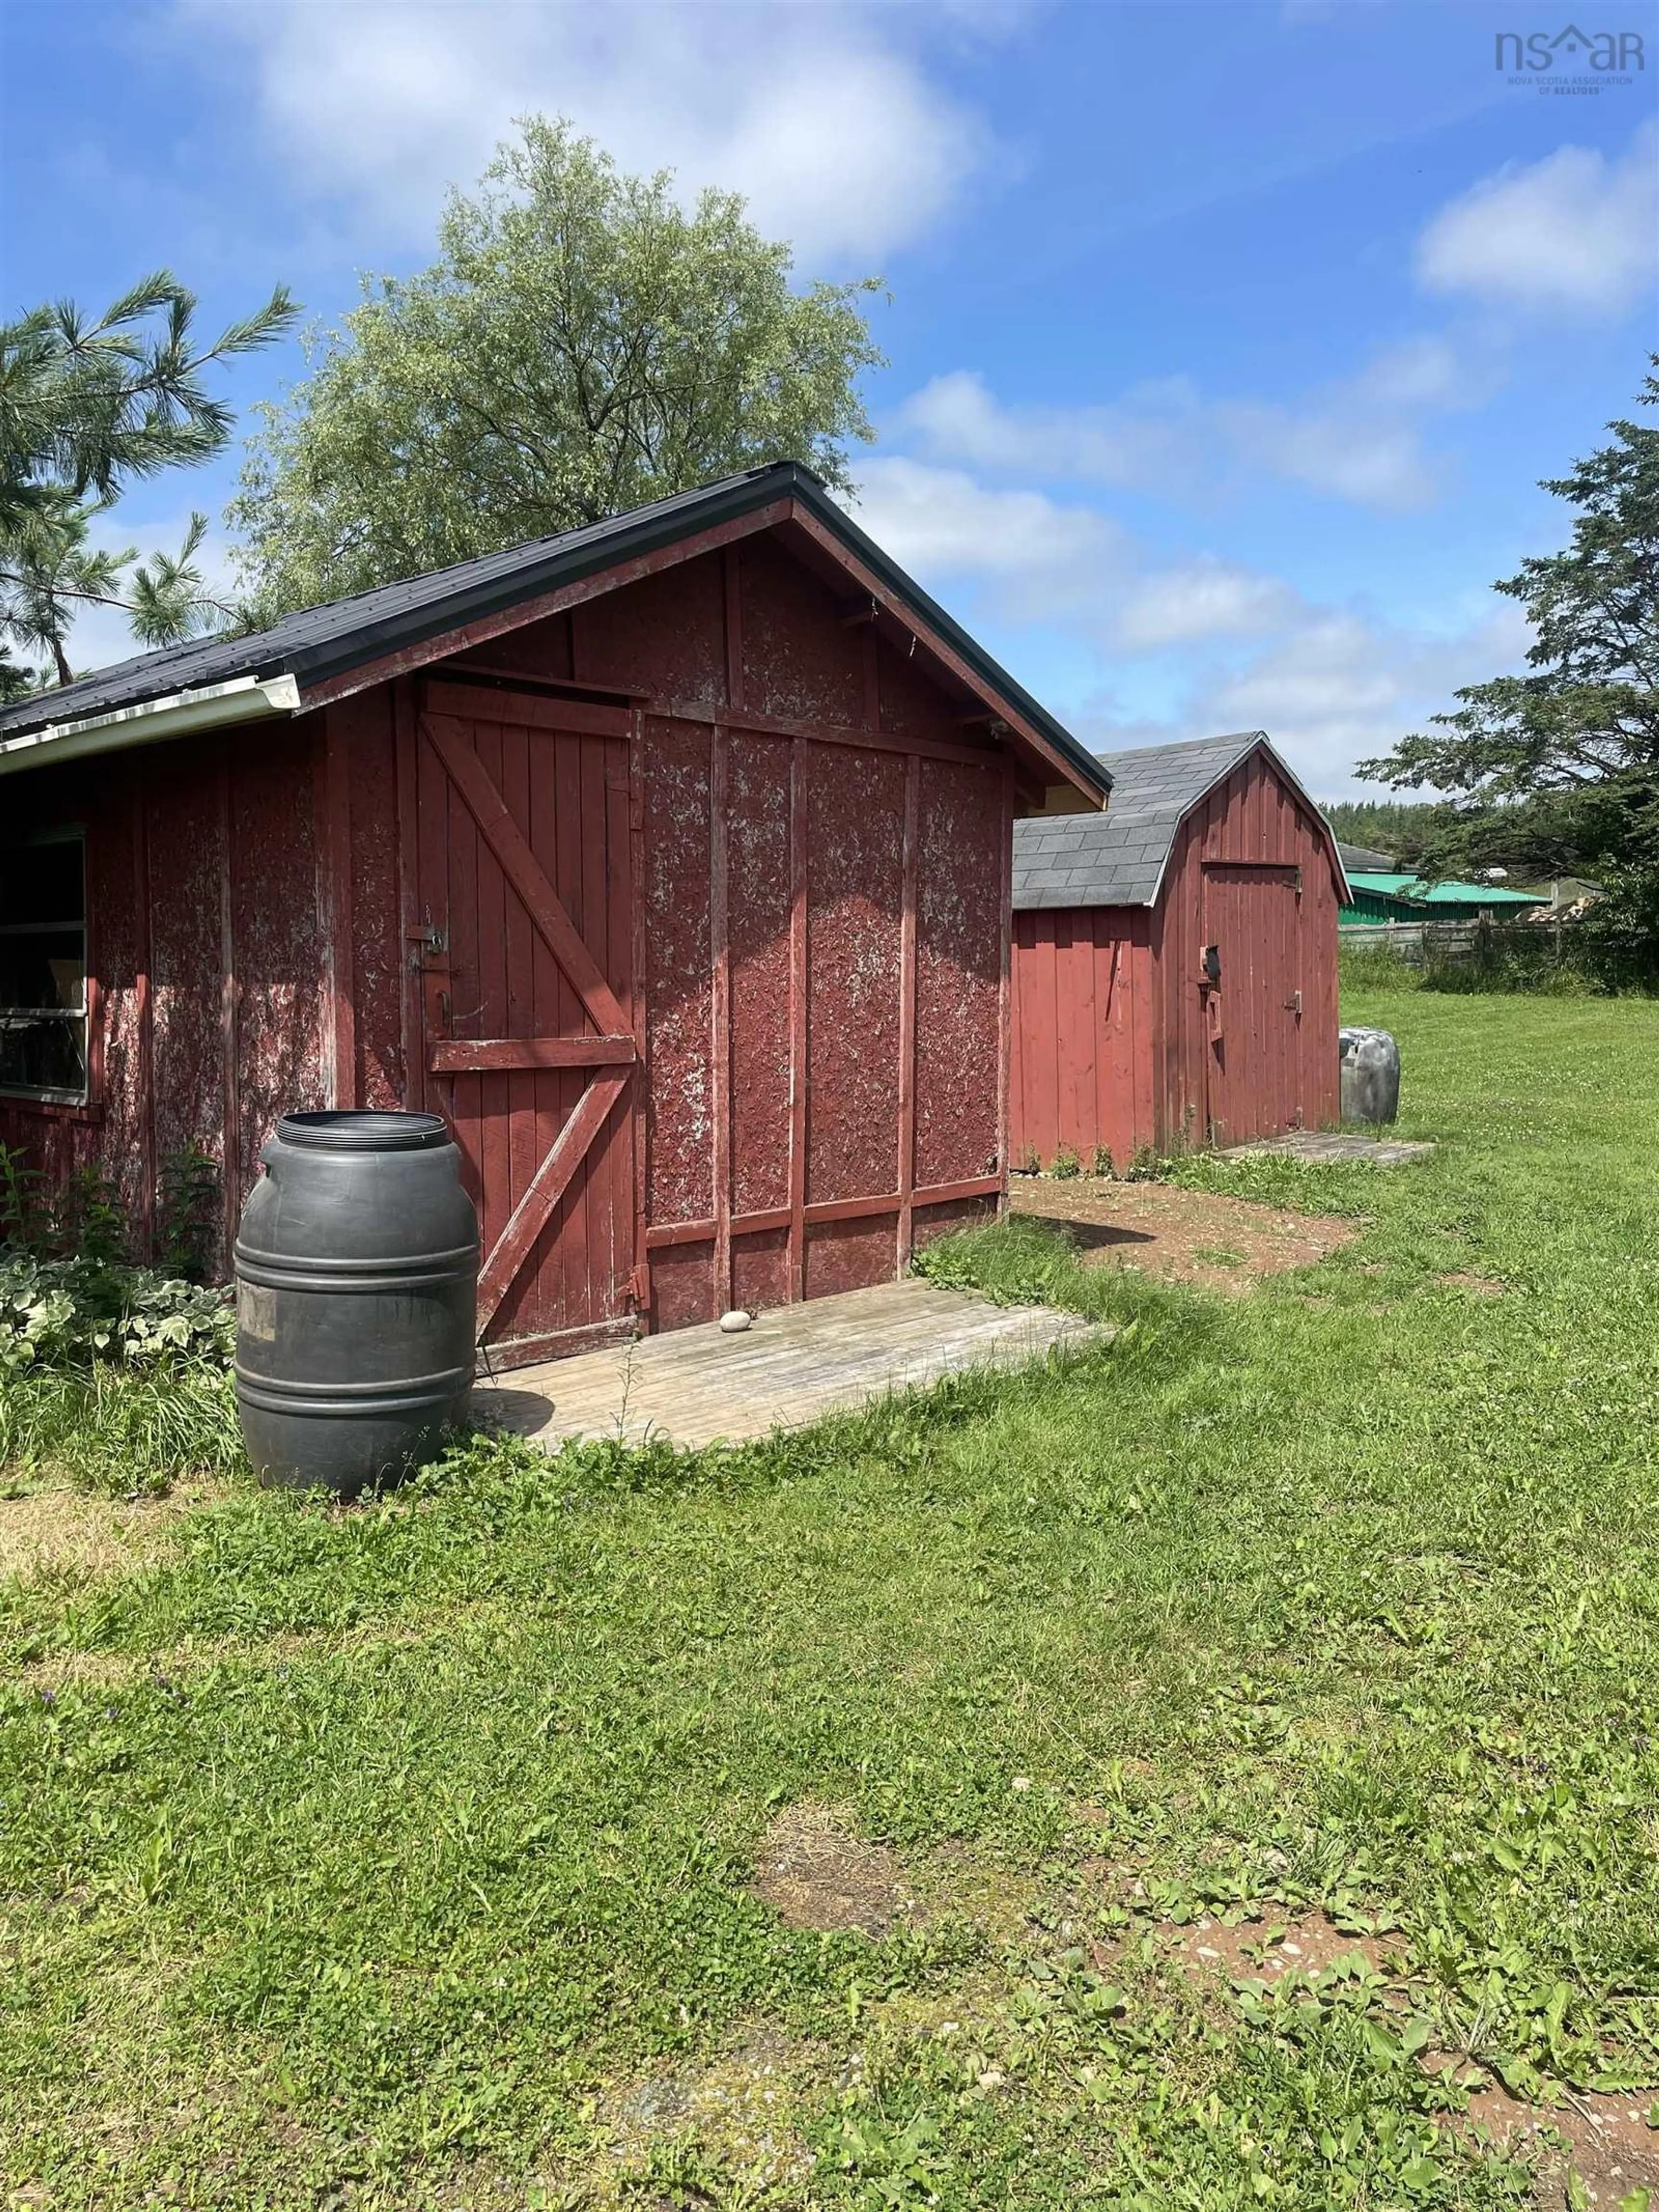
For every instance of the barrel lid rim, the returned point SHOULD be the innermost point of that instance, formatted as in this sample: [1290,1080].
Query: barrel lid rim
[363,1129]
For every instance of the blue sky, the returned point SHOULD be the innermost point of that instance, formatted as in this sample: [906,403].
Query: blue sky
[1227,342]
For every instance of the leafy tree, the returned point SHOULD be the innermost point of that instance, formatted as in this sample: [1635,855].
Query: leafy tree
[86,409]
[1557,772]
[581,346]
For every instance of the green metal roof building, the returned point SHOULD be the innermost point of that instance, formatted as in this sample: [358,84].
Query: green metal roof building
[1378,897]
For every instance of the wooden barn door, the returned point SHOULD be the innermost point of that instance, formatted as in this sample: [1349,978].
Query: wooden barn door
[523,934]
[1252,914]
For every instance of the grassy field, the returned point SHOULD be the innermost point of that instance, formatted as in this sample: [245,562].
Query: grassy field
[506,1843]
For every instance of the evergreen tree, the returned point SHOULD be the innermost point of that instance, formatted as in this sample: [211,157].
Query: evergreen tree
[87,409]
[1557,772]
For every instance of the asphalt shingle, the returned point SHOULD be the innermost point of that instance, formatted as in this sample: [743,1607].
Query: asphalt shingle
[1116,859]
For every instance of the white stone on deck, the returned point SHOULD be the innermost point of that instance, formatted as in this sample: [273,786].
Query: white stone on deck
[796,1363]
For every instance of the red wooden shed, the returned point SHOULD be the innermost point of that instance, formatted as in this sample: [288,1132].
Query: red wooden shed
[668,858]
[1175,960]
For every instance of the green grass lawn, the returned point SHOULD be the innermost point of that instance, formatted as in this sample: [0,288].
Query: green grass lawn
[404,1856]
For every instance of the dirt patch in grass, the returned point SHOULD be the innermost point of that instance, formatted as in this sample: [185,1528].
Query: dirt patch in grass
[815,1874]
[1477,1287]
[1612,2151]
[1182,1235]
[1269,1948]
[57,1530]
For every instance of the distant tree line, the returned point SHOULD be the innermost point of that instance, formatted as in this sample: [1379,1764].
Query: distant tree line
[1399,827]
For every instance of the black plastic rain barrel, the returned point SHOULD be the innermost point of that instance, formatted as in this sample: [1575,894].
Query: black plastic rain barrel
[356,1296]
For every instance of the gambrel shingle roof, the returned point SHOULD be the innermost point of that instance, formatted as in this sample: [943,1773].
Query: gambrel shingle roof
[1118,857]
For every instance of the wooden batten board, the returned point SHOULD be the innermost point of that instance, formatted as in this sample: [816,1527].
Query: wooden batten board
[335,844]
[721,1009]
[798,1024]
[907,1074]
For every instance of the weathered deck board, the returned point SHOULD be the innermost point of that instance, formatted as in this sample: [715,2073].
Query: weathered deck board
[1323,1147]
[795,1364]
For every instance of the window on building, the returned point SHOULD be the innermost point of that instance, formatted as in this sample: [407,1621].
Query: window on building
[43,967]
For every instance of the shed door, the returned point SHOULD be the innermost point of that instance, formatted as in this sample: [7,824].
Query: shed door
[1252,916]
[525,935]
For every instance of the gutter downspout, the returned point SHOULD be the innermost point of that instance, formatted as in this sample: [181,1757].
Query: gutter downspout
[213,706]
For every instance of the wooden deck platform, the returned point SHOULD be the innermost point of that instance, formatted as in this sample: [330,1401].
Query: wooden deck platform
[1324,1146]
[794,1365]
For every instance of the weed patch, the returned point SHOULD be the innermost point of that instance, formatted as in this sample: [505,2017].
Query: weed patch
[437,1826]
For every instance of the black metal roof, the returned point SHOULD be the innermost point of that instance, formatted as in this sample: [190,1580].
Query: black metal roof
[319,643]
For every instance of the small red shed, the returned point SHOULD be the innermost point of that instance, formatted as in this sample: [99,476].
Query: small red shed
[668,858]
[1174,959]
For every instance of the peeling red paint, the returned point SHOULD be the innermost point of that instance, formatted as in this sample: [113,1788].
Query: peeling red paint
[758,897]
[958,973]
[855,815]
[795,894]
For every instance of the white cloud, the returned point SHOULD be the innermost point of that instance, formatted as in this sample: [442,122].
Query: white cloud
[1024,557]
[1143,439]
[1187,646]
[1340,688]
[1204,598]
[1360,438]
[1575,232]
[822,117]
[942,523]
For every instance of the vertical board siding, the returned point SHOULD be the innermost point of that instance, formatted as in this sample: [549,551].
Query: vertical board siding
[184,831]
[800,662]
[1081,1037]
[856,906]
[662,637]
[204,901]
[959,909]
[1268,1074]
[680,1158]
[1113,1042]
[287,918]
[757,933]
[279,954]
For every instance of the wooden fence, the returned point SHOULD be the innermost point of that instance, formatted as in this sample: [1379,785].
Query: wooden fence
[1474,942]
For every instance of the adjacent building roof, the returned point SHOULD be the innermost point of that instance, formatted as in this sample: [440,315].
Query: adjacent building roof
[1418,893]
[308,649]
[1362,856]
[1118,857]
